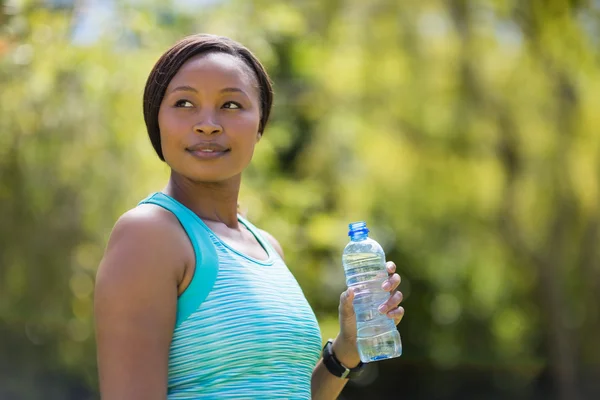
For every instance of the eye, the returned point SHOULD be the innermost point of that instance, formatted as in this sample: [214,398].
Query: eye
[232,105]
[183,104]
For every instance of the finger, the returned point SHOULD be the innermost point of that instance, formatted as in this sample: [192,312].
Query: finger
[391,283]
[391,267]
[346,309]
[396,314]
[392,302]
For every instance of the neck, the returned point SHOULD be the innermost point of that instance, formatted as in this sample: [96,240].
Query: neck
[212,201]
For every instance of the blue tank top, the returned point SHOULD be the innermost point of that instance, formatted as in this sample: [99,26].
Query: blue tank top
[244,328]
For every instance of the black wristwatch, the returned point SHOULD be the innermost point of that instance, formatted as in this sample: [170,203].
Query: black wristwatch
[334,365]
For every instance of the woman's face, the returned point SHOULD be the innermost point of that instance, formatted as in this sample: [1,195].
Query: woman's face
[209,118]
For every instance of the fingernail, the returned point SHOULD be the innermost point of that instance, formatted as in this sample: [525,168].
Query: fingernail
[382,308]
[387,285]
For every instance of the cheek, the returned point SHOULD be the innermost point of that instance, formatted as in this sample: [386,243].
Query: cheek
[169,124]
[245,125]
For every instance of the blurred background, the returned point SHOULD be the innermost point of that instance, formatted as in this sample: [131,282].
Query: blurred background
[465,132]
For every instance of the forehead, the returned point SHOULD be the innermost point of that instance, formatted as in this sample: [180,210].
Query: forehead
[219,69]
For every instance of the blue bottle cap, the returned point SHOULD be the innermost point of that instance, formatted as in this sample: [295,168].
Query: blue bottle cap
[358,228]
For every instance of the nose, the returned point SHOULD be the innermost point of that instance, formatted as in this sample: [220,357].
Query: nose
[208,126]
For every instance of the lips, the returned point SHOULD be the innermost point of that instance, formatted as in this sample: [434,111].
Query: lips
[208,150]
[208,147]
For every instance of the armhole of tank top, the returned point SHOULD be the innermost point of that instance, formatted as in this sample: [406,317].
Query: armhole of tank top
[207,261]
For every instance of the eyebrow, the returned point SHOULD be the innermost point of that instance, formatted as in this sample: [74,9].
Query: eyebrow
[186,88]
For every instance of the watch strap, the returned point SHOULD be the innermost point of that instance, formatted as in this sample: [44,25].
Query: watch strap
[335,367]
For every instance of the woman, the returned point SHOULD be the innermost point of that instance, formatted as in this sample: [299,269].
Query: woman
[192,301]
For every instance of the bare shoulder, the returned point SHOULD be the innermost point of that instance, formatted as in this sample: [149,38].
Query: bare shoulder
[147,232]
[147,247]
[274,242]
[145,220]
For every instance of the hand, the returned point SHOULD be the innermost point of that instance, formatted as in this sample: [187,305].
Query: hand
[344,345]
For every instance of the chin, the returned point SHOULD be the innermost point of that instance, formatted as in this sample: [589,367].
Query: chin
[206,172]
[209,176]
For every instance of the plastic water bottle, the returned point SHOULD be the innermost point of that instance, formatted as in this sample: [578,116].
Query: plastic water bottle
[364,266]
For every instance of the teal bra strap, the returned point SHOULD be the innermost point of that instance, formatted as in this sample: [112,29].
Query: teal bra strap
[207,261]
[266,244]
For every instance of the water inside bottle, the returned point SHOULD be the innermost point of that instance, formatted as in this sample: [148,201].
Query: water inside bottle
[379,347]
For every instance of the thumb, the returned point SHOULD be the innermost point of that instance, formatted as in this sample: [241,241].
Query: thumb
[346,309]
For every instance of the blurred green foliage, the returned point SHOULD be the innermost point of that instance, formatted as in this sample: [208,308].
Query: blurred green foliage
[466,133]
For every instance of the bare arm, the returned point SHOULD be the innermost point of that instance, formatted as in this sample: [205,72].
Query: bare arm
[324,385]
[135,305]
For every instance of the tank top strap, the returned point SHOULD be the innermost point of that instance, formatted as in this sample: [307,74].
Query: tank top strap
[266,244]
[207,261]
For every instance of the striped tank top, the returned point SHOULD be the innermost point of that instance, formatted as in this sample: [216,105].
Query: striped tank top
[244,329]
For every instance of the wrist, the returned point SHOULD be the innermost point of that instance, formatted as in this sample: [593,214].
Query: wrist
[346,353]
[336,367]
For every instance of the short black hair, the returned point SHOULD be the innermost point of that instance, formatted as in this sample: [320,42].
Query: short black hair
[171,61]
